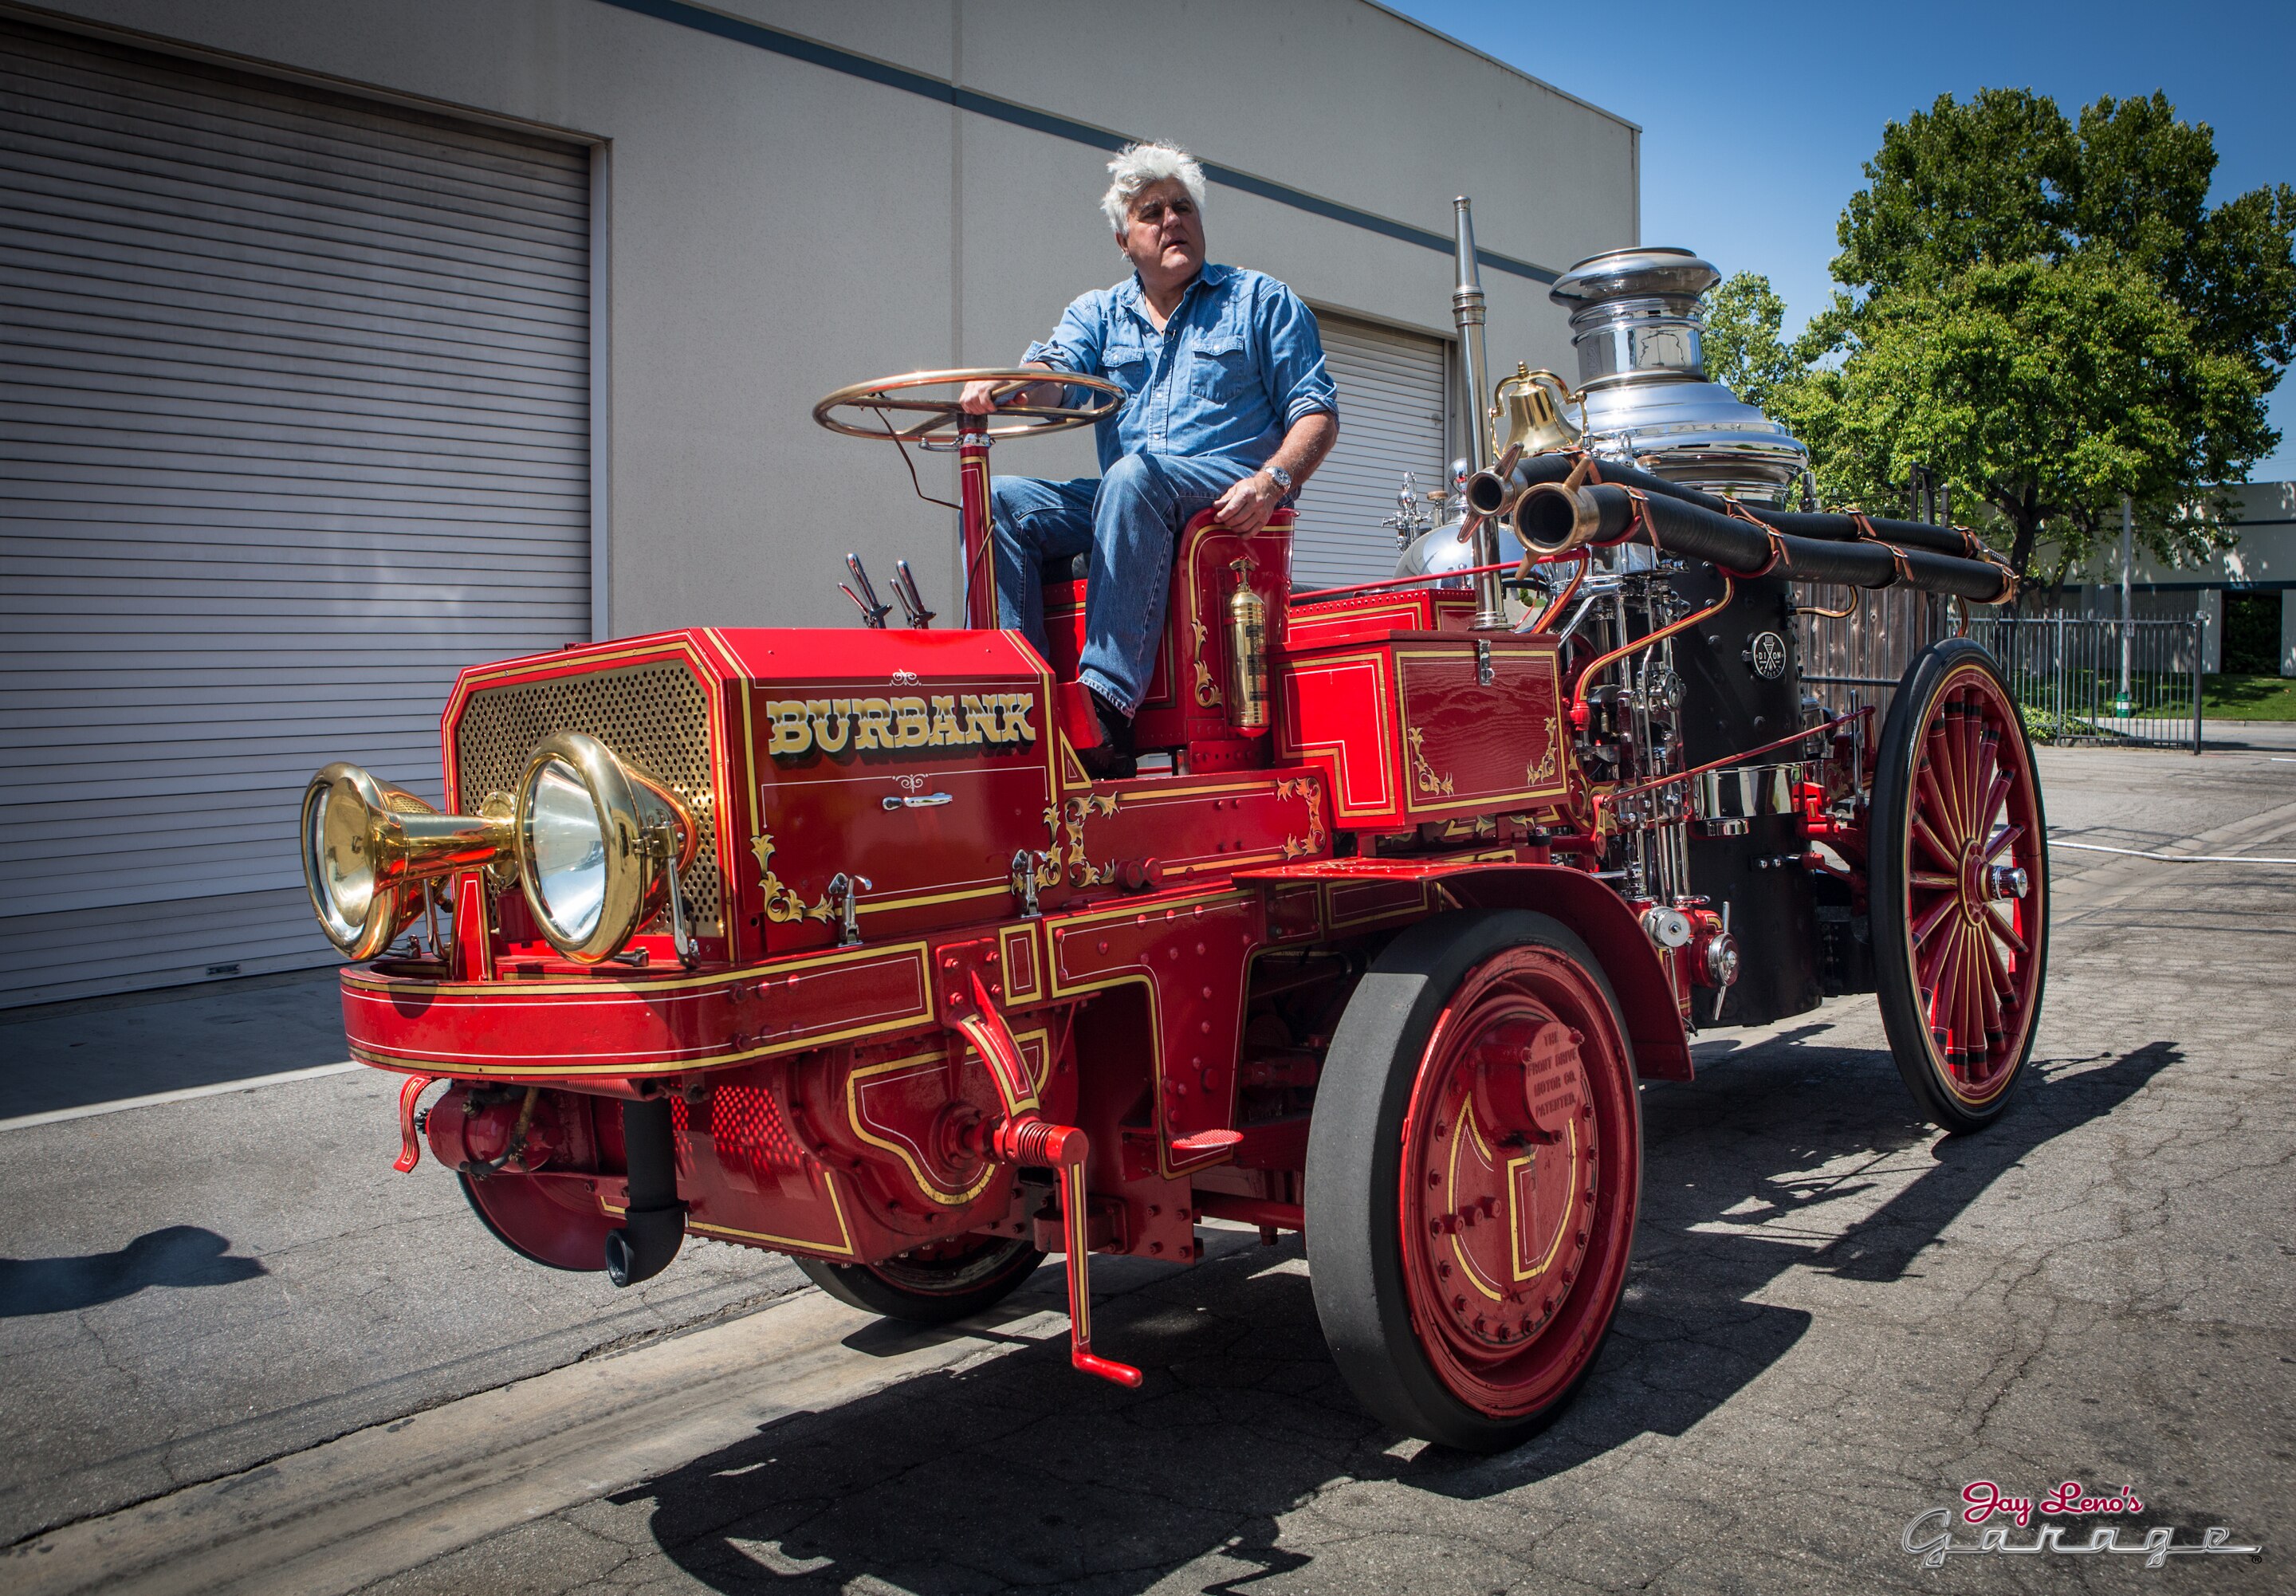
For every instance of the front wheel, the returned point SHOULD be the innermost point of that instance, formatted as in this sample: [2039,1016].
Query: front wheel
[1960,888]
[1474,1169]
[933,1284]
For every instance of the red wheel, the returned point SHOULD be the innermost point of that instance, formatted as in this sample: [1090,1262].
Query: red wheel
[1474,1167]
[935,1281]
[1960,888]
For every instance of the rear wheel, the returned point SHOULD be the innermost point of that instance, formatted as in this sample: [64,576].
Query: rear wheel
[1474,1169]
[932,1283]
[1960,886]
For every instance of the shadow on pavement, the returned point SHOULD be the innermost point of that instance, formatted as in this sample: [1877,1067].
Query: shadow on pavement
[181,1254]
[1015,1470]
[98,1050]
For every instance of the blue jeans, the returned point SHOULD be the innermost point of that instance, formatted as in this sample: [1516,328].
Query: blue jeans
[1128,520]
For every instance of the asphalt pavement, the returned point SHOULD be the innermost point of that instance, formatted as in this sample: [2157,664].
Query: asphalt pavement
[314,1374]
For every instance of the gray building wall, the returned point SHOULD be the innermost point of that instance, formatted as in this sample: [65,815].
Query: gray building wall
[770,229]
[2263,559]
[788,196]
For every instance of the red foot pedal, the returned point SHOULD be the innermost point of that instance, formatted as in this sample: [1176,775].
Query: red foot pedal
[410,1150]
[1092,1363]
[1208,1142]
[1079,1256]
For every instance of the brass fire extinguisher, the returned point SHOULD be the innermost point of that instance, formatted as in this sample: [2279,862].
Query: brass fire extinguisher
[1247,654]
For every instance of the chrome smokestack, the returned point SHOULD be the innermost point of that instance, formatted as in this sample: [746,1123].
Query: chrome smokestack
[1467,314]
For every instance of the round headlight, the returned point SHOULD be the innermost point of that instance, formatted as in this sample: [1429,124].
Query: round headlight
[347,814]
[567,839]
[596,845]
[370,850]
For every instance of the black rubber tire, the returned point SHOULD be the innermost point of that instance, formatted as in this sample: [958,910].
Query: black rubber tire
[1354,1152]
[928,1293]
[1896,986]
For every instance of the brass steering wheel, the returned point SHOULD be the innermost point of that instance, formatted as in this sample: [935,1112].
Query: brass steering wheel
[890,397]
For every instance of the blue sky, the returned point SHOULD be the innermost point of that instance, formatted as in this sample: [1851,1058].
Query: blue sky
[1757,120]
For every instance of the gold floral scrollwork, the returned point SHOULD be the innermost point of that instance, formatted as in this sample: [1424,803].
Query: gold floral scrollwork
[1048,863]
[1208,691]
[1423,774]
[1080,871]
[1305,788]
[1533,774]
[783,906]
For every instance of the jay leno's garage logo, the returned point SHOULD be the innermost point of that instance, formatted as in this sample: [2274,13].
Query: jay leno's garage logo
[1931,1537]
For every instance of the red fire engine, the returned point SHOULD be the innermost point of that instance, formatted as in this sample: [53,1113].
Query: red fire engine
[824,942]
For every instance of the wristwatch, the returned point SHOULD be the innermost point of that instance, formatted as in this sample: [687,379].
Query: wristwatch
[1282,478]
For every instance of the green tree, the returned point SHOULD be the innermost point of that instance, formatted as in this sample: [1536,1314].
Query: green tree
[1745,348]
[2051,315]
[2049,389]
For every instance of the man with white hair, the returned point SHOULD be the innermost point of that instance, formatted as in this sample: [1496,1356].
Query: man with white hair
[1229,408]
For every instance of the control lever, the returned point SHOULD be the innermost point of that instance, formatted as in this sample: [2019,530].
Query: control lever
[905,588]
[1025,1136]
[873,609]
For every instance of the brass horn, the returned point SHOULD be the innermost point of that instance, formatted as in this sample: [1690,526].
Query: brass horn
[370,850]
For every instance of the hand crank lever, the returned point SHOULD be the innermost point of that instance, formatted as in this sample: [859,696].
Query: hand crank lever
[873,609]
[1026,1137]
[905,588]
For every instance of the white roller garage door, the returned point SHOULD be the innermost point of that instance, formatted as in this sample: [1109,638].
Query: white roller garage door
[294,422]
[1391,421]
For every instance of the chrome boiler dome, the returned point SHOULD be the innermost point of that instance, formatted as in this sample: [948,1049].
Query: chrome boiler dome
[1443,550]
[1642,371]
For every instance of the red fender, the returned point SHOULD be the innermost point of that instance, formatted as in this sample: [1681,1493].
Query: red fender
[1600,917]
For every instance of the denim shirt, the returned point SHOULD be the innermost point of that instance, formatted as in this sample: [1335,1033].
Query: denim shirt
[1236,365]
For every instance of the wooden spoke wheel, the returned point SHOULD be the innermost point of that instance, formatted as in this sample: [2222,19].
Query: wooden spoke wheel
[1474,1167]
[934,1282]
[1960,886]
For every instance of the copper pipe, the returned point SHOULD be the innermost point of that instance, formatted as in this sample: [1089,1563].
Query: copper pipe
[1856,597]
[1554,605]
[1327,592]
[1579,689]
[1743,754]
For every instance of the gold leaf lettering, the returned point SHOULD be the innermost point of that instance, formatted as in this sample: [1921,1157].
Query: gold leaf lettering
[832,727]
[946,731]
[873,725]
[792,735]
[909,717]
[1016,727]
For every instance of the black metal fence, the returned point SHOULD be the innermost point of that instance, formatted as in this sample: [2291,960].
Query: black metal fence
[2077,678]
[1855,643]
[2091,679]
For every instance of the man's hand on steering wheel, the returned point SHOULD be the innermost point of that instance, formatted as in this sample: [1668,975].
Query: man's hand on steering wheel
[981,398]
[1247,505]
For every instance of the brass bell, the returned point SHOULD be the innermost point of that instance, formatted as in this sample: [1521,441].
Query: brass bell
[1527,411]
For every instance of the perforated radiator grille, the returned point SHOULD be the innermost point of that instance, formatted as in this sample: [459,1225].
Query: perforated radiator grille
[654,717]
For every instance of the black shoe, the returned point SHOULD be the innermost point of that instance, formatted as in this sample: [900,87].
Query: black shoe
[1114,757]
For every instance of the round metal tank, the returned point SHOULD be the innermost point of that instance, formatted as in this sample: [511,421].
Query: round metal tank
[1443,550]
[1642,371]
